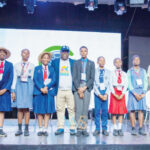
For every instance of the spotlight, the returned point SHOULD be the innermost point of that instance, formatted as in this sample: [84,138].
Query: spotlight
[91,5]
[30,4]
[120,7]
[3,3]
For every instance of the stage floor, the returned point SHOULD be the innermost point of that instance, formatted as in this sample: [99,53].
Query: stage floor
[11,127]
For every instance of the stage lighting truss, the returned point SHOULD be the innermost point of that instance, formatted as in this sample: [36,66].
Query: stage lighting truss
[91,5]
[3,3]
[30,5]
[120,7]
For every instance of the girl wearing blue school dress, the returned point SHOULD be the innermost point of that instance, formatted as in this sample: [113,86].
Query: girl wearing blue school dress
[6,78]
[44,92]
[138,84]
[22,91]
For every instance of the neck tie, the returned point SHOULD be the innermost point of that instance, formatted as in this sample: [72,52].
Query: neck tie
[1,68]
[119,80]
[83,66]
[22,71]
[45,73]
[101,76]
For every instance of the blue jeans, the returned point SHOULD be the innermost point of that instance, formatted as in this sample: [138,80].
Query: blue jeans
[101,107]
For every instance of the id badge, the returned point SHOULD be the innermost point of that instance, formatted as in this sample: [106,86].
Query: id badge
[1,77]
[47,81]
[119,88]
[102,86]
[139,81]
[24,79]
[83,76]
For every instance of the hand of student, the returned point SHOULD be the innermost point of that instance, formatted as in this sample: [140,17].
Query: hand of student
[137,96]
[80,90]
[142,96]
[3,91]
[84,88]
[13,96]
[117,96]
[121,96]
[81,95]
[100,96]
[104,97]
[44,90]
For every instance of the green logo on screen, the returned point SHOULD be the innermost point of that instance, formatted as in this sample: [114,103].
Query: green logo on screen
[55,50]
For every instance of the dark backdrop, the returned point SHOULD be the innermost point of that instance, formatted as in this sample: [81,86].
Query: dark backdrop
[65,16]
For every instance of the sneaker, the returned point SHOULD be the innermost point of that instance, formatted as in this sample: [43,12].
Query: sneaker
[142,132]
[59,131]
[105,132]
[3,134]
[120,132]
[26,133]
[133,132]
[18,133]
[85,133]
[79,133]
[40,133]
[96,132]
[115,132]
[45,133]
[72,132]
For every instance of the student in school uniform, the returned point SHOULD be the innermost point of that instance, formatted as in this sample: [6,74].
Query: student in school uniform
[138,84]
[63,67]
[22,91]
[6,78]
[101,92]
[44,91]
[118,87]
[83,81]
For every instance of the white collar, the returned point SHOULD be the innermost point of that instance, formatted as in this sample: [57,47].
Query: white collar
[43,66]
[118,70]
[24,62]
[2,61]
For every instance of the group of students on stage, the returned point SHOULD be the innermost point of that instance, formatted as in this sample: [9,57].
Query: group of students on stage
[71,81]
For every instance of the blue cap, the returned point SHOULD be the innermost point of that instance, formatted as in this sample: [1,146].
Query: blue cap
[65,49]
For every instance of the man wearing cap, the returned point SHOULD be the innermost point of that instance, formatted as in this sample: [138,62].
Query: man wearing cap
[6,78]
[63,67]
[83,80]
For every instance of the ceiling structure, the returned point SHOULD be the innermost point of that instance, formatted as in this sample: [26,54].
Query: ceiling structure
[76,2]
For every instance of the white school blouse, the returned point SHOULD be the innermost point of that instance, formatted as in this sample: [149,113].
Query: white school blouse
[29,67]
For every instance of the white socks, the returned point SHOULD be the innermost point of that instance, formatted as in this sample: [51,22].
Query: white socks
[119,126]
[42,129]
[115,127]
[45,129]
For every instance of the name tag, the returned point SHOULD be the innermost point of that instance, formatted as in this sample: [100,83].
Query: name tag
[83,76]
[47,81]
[102,86]
[1,76]
[139,82]
[24,79]
[119,87]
